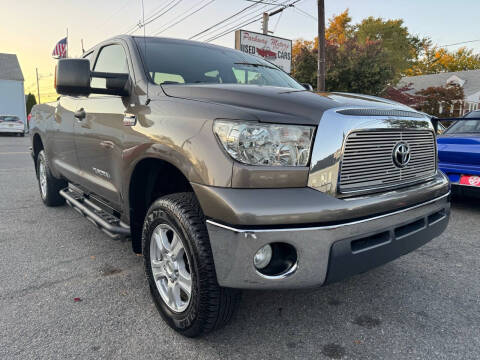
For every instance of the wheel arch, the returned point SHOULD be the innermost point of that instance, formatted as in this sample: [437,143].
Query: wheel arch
[150,179]
[37,146]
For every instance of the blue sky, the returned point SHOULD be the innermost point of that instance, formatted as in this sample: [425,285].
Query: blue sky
[30,28]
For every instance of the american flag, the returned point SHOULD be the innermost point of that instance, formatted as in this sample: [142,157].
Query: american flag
[60,50]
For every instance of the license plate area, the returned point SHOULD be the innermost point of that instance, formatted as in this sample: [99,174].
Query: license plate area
[470,180]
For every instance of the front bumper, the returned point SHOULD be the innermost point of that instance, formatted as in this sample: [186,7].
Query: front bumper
[326,253]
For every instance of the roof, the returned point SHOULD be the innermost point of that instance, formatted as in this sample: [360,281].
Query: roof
[10,68]
[469,80]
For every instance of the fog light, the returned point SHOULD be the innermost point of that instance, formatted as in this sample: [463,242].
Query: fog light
[262,257]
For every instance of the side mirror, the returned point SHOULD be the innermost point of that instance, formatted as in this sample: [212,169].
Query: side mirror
[307,86]
[73,77]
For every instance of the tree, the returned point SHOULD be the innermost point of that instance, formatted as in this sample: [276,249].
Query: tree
[339,29]
[358,67]
[436,60]
[402,95]
[305,65]
[401,48]
[439,101]
[30,102]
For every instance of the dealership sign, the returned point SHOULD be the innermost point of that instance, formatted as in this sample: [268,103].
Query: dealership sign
[274,49]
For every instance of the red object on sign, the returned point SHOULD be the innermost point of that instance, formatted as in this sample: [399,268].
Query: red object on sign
[267,53]
[470,180]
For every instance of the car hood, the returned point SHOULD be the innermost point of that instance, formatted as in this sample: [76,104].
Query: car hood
[459,148]
[275,104]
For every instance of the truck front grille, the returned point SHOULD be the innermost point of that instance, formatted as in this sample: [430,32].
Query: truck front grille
[368,159]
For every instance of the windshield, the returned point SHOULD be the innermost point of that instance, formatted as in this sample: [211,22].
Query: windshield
[9,118]
[466,126]
[177,62]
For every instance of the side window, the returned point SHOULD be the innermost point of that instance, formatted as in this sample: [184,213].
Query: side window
[112,59]
[164,78]
[245,76]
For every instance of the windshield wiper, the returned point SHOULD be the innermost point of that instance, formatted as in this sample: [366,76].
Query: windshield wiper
[255,65]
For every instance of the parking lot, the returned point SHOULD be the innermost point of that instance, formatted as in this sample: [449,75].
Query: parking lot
[69,291]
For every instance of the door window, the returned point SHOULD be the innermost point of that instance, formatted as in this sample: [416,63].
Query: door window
[112,59]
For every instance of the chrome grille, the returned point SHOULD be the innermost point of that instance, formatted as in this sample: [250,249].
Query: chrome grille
[367,161]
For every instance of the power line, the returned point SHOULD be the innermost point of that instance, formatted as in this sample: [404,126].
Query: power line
[251,20]
[221,22]
[154,16]
[278,21]
[232,21]
[461,43]
[186,16]
[146,22]
[115,13]
[239,23]
[305,13]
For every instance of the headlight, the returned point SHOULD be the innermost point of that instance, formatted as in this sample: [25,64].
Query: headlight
[254,143]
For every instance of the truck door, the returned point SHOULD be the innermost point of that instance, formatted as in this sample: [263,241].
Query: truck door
[61,146]
[99,135]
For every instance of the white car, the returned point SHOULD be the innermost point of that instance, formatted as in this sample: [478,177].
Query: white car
[11,124]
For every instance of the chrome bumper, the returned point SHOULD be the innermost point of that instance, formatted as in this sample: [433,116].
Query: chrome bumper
[405,230]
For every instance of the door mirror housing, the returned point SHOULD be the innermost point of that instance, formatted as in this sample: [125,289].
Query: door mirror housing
[73,77]
[307,86]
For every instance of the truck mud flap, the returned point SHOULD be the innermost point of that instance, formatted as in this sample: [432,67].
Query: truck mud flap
[108,223]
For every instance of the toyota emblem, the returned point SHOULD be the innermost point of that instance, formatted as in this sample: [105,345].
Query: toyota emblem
[401,154]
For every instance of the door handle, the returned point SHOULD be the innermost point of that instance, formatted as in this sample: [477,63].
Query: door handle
[107,144]
[80,114]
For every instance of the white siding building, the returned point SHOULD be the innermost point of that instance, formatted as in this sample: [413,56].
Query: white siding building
[468,80]
[12,93]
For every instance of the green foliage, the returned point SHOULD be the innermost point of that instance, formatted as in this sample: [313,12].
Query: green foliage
[435,60]
[305,65]
[401,48]
[30,102]
[358,67]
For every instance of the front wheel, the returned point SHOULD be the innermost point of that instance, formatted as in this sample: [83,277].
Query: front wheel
[180,269]
[49,185]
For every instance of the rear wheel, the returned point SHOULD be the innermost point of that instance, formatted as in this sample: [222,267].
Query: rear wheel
[49,185]
[180,269]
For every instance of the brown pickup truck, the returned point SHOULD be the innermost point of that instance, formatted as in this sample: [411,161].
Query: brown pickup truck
[227,174]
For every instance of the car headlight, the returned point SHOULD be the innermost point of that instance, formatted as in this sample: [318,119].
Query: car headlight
[255,143]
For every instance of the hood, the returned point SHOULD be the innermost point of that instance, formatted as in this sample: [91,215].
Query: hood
[274,104]
[459,149]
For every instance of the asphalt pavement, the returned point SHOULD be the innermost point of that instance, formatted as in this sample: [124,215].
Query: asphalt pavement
[68,291]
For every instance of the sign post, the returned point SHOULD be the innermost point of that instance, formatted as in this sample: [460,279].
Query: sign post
[274,49]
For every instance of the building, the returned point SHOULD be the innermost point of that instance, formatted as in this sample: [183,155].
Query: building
[469,80]
[12,94]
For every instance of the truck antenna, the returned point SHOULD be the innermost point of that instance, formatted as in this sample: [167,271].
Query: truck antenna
[145,47]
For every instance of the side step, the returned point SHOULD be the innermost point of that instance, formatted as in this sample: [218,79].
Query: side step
[109,224]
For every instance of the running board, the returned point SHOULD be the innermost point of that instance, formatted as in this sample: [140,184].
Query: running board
[108,223]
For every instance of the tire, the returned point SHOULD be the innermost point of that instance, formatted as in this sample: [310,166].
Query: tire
[22,134]
[209,306]
[50,193]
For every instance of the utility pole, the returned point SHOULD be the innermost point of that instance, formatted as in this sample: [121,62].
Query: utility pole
[266,17]
[321,46]
[38,87]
